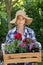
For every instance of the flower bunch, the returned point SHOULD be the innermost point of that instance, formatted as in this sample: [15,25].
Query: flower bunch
[19,45]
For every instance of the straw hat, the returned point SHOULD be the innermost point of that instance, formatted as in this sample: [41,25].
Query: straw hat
[22,13]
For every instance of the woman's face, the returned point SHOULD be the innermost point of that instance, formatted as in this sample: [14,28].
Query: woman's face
[20,20]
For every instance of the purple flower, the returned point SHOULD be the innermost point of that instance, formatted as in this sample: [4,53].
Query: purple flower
[31,46]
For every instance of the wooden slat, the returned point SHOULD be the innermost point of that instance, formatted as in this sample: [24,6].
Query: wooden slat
[22,57]
[22,60]
[7,56]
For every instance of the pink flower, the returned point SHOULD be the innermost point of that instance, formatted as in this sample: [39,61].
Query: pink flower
[22,45]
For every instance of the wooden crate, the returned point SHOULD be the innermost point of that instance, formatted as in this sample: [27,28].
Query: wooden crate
[22,57]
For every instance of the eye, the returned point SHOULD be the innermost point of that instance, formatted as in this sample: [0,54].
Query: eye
[18,18]
[23,18]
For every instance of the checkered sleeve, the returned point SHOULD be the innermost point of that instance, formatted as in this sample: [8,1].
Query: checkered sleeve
[37,44]
[8,37]
[33,36]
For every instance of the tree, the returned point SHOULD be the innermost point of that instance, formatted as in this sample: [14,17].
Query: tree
[9,4]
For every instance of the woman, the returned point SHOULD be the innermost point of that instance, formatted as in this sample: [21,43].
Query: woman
[20,21]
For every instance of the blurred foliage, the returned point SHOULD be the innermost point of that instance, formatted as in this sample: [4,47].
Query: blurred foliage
[3,29]
[33,9]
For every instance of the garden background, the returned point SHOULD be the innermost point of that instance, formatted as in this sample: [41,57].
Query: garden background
[33,8]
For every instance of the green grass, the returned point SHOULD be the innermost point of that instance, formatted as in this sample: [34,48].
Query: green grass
[41,63]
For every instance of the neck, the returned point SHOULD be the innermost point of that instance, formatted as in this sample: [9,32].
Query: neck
[20,29]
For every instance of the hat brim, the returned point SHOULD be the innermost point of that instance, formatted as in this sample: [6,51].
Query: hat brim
[28,20]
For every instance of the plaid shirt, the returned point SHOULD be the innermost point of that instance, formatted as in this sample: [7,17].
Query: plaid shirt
[28,33]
